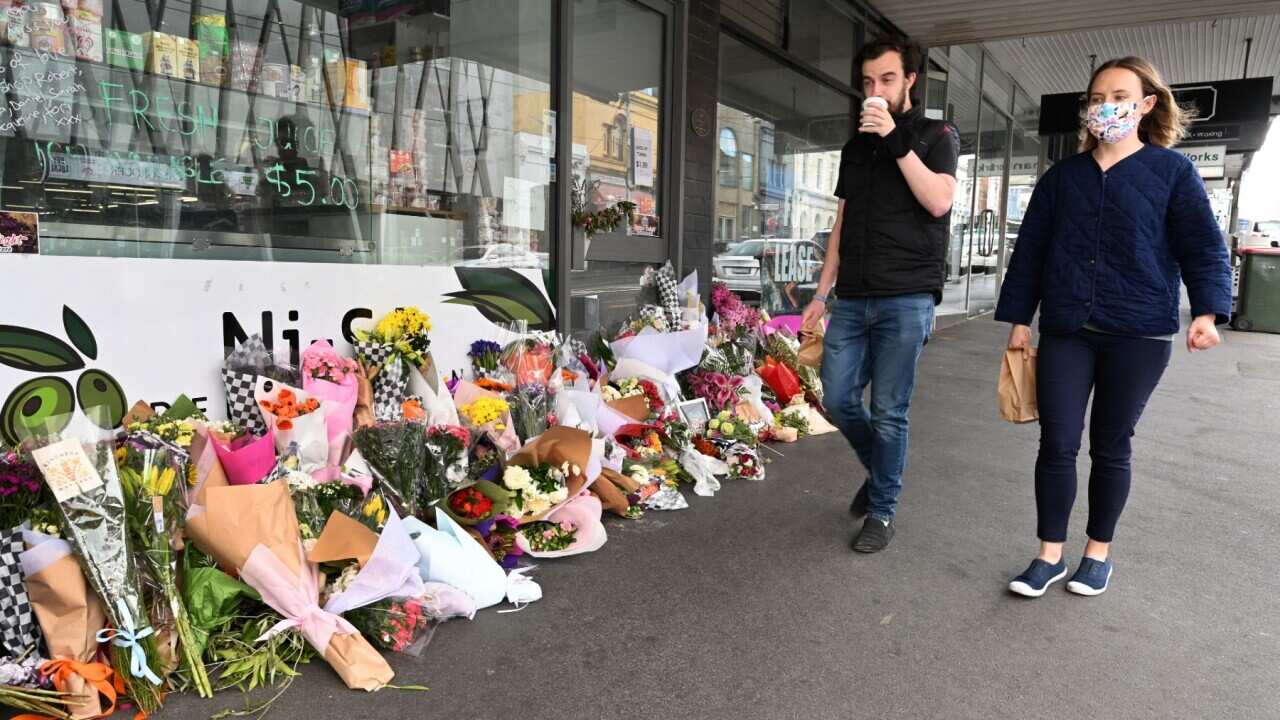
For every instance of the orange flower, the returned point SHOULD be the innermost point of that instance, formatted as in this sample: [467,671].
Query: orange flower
[284,425]
[412,410]
[286,395]
[493,385]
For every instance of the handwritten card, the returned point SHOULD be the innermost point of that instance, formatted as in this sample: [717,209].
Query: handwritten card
[67,469]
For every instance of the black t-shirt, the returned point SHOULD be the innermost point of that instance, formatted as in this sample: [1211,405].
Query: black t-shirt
[889,243]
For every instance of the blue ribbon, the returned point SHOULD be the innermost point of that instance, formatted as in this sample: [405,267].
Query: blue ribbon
[129,637]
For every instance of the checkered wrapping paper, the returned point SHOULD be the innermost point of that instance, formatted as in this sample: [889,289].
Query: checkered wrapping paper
[19,631]
[241,407]
[391,384]
[669,293]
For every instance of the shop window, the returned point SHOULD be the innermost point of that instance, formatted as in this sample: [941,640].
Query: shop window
[748,171]
[283,130]
[824,34]
[728,158]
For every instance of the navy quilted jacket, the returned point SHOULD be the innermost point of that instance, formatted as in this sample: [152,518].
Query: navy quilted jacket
[1110,249]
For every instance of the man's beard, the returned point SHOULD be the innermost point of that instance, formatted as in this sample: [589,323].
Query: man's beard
[899,106]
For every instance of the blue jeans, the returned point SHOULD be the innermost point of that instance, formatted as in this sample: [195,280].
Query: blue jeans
[876,341]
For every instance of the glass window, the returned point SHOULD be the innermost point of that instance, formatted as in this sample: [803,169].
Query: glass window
[728,157]
[619,47]
[794,127]
[283,130]
[748,171]
[962,110]
[823,33]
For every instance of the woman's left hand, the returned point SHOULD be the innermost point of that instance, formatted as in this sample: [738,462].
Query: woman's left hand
[1203,334]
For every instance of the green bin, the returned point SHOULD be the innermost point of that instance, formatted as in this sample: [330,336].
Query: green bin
[1259,309]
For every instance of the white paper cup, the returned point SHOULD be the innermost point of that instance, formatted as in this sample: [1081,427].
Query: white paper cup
[874,101]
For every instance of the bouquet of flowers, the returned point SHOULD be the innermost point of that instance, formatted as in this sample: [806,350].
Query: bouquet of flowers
[295,417]
[401,625]
[546,472]
[721,391]
[537,489]
[784,348]
[400,339]
[148,475]
[641,442]
[728,426]
[334,380]
[477,503]
[650,317]
[744,463]
[447,445]
[20,489]
[82,475]
[574,529]
[544,536]
[498,536]
[397,454]
[487,413]
[245,366]
[485,357]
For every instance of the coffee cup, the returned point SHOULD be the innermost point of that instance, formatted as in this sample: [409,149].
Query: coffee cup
[874,101]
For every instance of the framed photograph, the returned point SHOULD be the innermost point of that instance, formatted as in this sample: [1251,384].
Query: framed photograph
[695,414]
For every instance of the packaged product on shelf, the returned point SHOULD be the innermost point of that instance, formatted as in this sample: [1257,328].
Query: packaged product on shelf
[46,12]
[188,58]
[246,58]
[211,37]
[49,37]
[125,49]
[297,84]
[86,30]
[13,23]
[274,80]
[162,54]
[335,71]
[356,96]
[90,6]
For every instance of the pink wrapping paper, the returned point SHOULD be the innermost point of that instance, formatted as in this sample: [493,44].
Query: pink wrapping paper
[247,459]
[506,439]
[339,401]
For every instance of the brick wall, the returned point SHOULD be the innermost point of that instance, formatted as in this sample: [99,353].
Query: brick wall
[701,91]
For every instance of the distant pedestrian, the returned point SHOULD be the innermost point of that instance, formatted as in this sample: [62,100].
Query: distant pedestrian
[1107,239]
[886,267]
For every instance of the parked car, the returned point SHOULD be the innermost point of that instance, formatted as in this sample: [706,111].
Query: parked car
[505,255]
[739,269]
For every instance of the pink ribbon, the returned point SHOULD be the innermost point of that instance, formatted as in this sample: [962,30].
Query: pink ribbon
[293,596]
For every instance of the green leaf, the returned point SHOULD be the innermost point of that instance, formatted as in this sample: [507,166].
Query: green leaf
[512,285]
[79,332]
[31,350]
[503,306]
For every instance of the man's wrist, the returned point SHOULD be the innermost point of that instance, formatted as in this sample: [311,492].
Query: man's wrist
[895,143]
[822,298]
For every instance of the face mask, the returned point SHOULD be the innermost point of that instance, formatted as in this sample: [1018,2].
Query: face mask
[1113,122]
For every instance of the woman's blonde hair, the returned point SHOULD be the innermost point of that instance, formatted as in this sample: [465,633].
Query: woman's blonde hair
[1165,125]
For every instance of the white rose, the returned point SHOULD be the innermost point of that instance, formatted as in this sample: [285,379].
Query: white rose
[641,474]
[610,394]
[560,495]
[516,478]
[537,506]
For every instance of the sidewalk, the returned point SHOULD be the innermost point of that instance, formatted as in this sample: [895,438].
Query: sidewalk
[750,605]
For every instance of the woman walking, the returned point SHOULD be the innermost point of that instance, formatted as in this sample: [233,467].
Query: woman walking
[1107,238]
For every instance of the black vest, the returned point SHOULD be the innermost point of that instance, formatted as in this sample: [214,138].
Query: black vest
[889,243]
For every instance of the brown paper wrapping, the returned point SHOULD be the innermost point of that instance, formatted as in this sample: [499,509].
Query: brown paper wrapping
[357,663]
[364,395]
[612,488]
[140,412]
[633,407]
[343,539]
[1016,391]
[70,616]
[811,337]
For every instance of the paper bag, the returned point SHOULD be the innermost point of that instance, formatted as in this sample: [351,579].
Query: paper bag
[1016,391]
[811,337]
[343,539]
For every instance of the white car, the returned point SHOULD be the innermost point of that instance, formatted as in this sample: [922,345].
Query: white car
[506,255]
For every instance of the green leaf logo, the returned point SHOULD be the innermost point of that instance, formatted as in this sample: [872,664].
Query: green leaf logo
[79,332]
[503,296]
[31,350]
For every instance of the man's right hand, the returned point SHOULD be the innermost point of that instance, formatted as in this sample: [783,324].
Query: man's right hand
[1020,339]
[813,313]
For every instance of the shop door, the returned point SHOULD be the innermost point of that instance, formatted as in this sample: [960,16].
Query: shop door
[619,57]
[985,236]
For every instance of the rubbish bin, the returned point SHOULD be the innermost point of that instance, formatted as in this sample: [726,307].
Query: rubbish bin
[1259,309]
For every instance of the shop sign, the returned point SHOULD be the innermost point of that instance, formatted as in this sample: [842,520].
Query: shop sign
[642,156]
[160,327]
[119,171]
[1022,165]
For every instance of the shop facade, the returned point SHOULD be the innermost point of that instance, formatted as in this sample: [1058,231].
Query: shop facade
[289,159]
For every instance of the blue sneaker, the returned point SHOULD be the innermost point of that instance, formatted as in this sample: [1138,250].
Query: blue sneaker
[1091,577]
[1037,578]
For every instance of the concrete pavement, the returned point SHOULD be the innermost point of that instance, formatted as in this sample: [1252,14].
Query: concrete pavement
[750,604]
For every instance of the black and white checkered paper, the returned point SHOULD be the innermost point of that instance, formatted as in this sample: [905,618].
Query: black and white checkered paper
[19,630]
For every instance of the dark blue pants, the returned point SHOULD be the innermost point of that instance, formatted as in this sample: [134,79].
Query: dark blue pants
[1121,372]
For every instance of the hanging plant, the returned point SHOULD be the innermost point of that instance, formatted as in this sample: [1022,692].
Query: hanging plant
[605,219]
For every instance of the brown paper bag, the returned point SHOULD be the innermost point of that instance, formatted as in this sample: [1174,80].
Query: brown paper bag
[70,616]
[343,539]
[811,336]
[633,407]
[1017,388]
[613,488]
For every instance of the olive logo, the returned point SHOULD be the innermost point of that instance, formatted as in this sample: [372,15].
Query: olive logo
[44,404]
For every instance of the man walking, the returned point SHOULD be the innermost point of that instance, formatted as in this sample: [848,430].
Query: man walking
[897,179]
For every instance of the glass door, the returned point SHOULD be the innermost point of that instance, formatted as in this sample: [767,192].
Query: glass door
[620,80]
[985,236]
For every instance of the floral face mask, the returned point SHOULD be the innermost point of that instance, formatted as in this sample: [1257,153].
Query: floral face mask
[1112,122]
